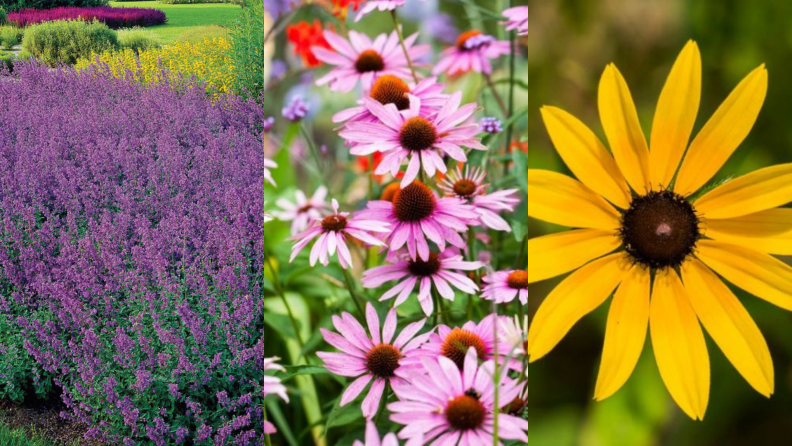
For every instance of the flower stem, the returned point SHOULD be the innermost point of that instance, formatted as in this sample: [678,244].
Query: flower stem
[279,289]
[497,95]
[404,47]
[383,402]
[352,293]
[440,307]
[267,440]
[512,58]
[312,149]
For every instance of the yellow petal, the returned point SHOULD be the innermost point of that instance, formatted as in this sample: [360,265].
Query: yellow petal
[675,116]
[585,155]
[757,191]
[678,344]
[562,200]
[555,254]
[625,334]
[730,325]
[768,231]
[620,122]
[721,135]
[576,296]
[760,274]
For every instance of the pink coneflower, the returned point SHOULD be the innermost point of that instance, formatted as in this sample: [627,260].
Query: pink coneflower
[416,214]
[456,406]
[332,232]
[472,52]
[503,286]
[269,164]
[438,269]
[371,358]
[453,343]
[514,335]
[360,59]
[273,386]
[471,188]
[517,18]
[390,439]
[303,210]
[382,5]
[389,89]
[408,134]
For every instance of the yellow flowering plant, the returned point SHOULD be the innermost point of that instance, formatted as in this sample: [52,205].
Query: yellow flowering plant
[209,62]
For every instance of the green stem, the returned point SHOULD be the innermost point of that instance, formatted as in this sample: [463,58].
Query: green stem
[439,307]
[518,262]
[404,47]
[312,149]
[512,60]
[497,96]
[352,293]
[282,294]
[267,440]
[383,402]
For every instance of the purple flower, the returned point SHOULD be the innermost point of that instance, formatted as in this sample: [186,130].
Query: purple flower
[490,125]
[296,109]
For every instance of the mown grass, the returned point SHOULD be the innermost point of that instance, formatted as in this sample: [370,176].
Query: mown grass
[185,18]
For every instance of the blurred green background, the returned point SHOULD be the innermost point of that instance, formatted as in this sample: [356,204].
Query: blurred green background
[570,43]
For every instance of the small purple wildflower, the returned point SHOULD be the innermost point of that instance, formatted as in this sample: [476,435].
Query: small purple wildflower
[296,109]
[490,125]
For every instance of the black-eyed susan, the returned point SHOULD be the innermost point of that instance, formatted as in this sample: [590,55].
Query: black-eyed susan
[644,232]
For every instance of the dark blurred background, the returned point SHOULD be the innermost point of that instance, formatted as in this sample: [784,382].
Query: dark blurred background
[570,43]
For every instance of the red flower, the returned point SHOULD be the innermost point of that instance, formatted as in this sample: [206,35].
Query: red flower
[304,36]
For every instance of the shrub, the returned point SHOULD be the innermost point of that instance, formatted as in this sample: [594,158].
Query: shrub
[3,16]
[198,35]
[15,5]
[247,50]
[6,62]
[113,17]
[175,65]
[10,36]
[138,39]
[132,270]
[67,41]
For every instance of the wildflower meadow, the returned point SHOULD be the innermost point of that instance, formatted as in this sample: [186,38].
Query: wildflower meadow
[395,242]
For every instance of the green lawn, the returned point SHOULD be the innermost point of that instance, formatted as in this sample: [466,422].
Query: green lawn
[18,437]
[183,18]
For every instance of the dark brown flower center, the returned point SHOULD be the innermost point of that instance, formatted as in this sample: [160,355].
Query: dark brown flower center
[383,360]
[304,209]
[422,268]
[660,229]
[369,60]
[389,89]
[518,279]
[464,187]
[457,344]
[465,413]
[334,223]
[417,134]
[515,407]
[460,43]
[390,191]
[413,203]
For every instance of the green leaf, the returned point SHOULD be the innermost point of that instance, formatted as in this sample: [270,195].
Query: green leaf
[280,323]
[521,169]
[519,230]
[297,370]
[280,420]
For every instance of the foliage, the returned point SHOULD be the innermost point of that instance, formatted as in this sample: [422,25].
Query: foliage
[138,39]
[175,65]
[113,17]
[3,16]
[247,50]
[6,61]
[10,36]
[197,35]
[16,5]
[18,437]
[133,235]
[67,41]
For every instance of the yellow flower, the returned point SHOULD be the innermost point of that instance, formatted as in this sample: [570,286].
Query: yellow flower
[646,232]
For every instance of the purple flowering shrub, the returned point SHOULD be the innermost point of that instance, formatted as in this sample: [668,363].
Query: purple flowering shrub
[131,220]
[115,18]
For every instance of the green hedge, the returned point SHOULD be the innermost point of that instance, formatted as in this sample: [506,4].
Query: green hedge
[15,5]
[68,40]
